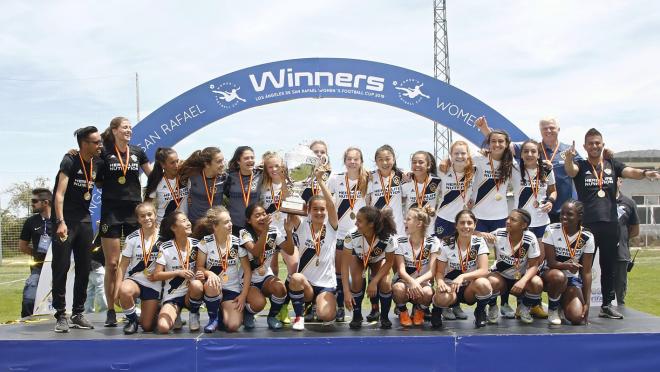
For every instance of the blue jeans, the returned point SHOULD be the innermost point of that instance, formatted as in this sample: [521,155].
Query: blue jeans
[95,290]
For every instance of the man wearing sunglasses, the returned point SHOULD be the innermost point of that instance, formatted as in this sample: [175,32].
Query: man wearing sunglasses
[37,231]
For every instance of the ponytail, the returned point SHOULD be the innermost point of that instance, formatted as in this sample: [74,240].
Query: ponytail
[383,221]
[162,153]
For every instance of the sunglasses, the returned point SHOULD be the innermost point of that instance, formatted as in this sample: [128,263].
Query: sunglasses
[36,200]
[94,142]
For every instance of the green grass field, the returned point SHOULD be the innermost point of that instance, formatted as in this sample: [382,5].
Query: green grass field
[642,285]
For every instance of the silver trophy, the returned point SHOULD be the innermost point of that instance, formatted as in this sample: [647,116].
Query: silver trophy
[301,163]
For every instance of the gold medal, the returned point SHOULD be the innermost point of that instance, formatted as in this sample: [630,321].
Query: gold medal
[317,261]
[516,276]
[64,238]
[225,277]
[536,204]
[145,272]
[601,193]
[87,196]
[121,180]
[352,215]
[498,197]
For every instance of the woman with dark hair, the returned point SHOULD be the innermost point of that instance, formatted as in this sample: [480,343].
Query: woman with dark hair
[424,187]
[370,245]
[414,263]
[517,260]
[122,192]
[242,186]
[138,262]
[569,251]
[203,173]
[262,240]
[175,266]
[461,271]
[226,270]
[164,185]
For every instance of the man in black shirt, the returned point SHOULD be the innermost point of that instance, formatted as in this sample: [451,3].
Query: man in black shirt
[73,192]
[629,228]
[37,230]
[595,181]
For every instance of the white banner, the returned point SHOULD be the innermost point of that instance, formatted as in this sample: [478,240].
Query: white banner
[43,303]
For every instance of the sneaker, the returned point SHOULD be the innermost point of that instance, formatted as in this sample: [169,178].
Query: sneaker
[525,315]
[341,315]
[178,323]
[538,312]
[436,318]
[212,326]
[404,319]
[480,318]
[418,317]
[448,314]
[310,316]
[111,318]
[427,314]
[373,315]
[356,322]
[273,323]
[458,312]
[493,314]
[131,327]
[283,315]
[553,317]
[193,320]
[298,323]
[386,323]
[609,312]
[62,325]
[79,321]
[507,311]
[248,320]
[396,311]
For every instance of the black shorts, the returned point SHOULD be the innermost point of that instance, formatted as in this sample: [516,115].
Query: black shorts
[460,296]
[147,293]
[340,244]
[228,295]
[118,218]
[179,302]
[260,285]
[319,290]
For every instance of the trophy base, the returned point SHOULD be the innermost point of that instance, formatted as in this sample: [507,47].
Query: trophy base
[294,207]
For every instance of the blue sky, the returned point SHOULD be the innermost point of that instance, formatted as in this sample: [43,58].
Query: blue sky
[67,64]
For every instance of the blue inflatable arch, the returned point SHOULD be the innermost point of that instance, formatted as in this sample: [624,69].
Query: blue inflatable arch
[313,78]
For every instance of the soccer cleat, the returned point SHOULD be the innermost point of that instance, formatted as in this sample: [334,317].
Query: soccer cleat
[609,312]
[458,312]
[418,317]
[538,312]
[480,318]
[310,316]
[298,323]
[553,317]
[493,314]
[448,314]
[273,323]
[525,315]
[62,325]
[111,318]
[283,315]
[131,327]
[79,321]
[404,319]
[178,323]
[374,314]
[212,326]
[436,319]
[385,323]
[356,322]
[507,311]
[193,321]
[248,320]
[341,315]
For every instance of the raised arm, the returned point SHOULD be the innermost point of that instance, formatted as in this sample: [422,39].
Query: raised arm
[569,166]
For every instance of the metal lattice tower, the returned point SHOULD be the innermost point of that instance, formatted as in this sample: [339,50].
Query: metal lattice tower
[441,135]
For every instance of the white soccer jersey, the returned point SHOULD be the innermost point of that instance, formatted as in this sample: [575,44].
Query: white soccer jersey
[378,197]
[523,191]
[455,194]
[450,254]
[416,264]
[431,194]
[319,270]
[555,237]
[359,246]
[337,186]
[169,257]
[271,204]
[505,260]
[215,260]
[262,263]
[165,202]
[486,191]
[133,251]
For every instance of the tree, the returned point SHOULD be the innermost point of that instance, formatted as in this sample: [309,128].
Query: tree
[20,195]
